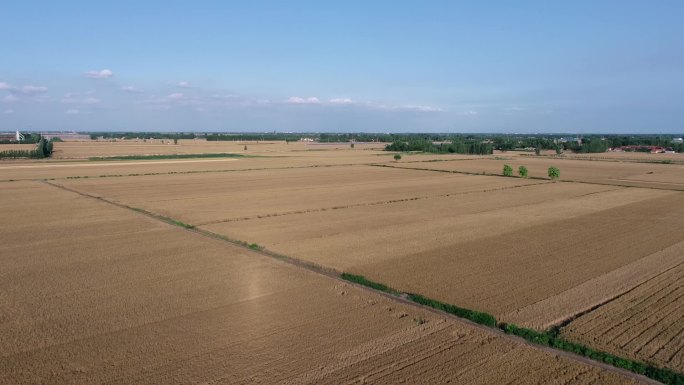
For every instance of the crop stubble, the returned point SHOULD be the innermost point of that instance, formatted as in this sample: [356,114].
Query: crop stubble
[645,324]
[92,293]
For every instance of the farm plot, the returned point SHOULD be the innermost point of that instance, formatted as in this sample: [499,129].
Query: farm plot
[33,170]
[356,236]
[92,293]
[645,324]
[14,147]
[662,176]
[498,251]
[87,149]
[208,198]
[508,271]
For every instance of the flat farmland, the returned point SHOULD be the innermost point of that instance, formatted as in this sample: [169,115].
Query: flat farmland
[498,251]
[93,293]
[8,147]
[492,244]
[646,324]
[663,176]
[44,169]
[629,156]
[208,198]
[90,148]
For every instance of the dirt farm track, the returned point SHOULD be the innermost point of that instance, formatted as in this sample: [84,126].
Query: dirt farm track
[226,270]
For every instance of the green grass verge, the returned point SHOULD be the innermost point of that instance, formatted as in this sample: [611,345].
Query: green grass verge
[255,246]
[552,339]
[361,280]
[547,338]
[478,317]
[169,156]
[475,316]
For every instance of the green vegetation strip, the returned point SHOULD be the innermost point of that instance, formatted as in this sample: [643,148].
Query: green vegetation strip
[171,156]
[548,338]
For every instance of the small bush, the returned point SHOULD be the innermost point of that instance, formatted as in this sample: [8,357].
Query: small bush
[397,157]
[554,173]
[522,171]
[352,145]
[361,280]
[254,246]
[475,316]
[507,170]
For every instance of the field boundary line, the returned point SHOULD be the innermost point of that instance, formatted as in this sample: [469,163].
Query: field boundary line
[668,257]
[183,172]
[376,203]
[414,300]
[529,177]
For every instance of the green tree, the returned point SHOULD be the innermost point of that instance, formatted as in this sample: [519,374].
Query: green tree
[507,170]
[175,140]
[554,173]
[245,148]
[522,171]
[397,157]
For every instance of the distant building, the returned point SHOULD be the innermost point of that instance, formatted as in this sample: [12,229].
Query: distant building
[678,140]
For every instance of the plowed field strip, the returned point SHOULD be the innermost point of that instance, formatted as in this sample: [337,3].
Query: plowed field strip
[336,276]
[378,203]
[646,324]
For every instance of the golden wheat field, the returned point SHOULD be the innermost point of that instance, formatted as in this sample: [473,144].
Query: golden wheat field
[647,175]
[137,271]
[646,324]
[94,293]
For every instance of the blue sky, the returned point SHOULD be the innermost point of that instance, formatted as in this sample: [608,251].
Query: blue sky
[438,66]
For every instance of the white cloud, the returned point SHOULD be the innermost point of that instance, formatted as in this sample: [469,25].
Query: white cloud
[469,113]
[8,112]
[72,111]
[412,107]
[514,109]
[5,86]
[176,96]
[10,99]
[32,90]
[183,84]
[75,98]
[341,101]
[130,89]
[102,74]
[298,100]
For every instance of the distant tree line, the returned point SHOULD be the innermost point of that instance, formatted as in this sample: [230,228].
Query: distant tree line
[453,147]
[463,143]
[142,135]
[43,150]
[28,139]
[589,143]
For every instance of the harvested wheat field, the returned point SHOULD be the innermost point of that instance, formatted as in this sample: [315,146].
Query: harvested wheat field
[498,245]
[661,176]
[646,323]
[498,251]
[207,198]
[628,157]
[14,147]
[36,170]
[93,293]
[91,148]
